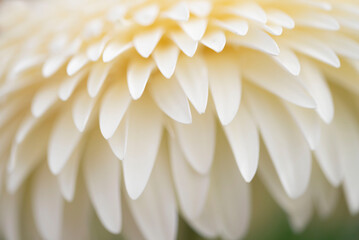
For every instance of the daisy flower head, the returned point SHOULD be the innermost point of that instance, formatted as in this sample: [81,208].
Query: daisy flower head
[145,111]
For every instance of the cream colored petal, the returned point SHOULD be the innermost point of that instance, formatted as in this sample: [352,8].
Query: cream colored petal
[192,187]
[147,15]
[286,145]
[166,59]
[225,85]
[192,75]
[64,139]
[155,210]
[187,45]
[146,42]
[68,176]
[44,99]
[195,29]
[97,77]
[178,12]
[171,99]
[138,73]
[82,109]
[276,80]
[214,40]
[113,107]
[256,39]
[318,88]
[118,142]
[243,138]
[197,141]
[308,122]
[144,135]
[102,175]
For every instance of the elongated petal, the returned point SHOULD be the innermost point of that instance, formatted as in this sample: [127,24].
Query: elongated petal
[225,85]
[63,141]
[192,187]
[171,99]
[113,107]
[102,176]
[197,141]
[144,133]
[138,73]
[192,74]
[155,210]
[243,138]
[280,134]
[276,80]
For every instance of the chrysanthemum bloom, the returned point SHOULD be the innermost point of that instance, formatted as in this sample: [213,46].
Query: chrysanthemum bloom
[147,111]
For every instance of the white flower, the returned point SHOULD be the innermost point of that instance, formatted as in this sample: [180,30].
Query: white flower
[153,110]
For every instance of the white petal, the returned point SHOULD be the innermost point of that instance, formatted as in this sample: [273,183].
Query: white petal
[194,28]
[63,141]
[225,85]
[118,142]
[318,88]
[299,209]
[227,210]
[146,42]
[200,8]
[155,210]
[114,49]
[343,45]
[144,132]
[316,20]
[82,109]
[68,86]
[25,155]
[214,40]
[44,99]
[197,141]
[53,64]
[102,176]
[285,143]
[147,15]
[243,138]
[95,51]
[327,155]
[280,18]
[258,40]
[192,187]
[47,204]
[236,26]
[68,176]
[187,45]
[288,60]
[166,59]
[314,48]
[178,12]
[308,122]
[276,80]
[171,99]
[97,77]
[76,63]
[192,75]
[138,73]
[250,11]
[113,107]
